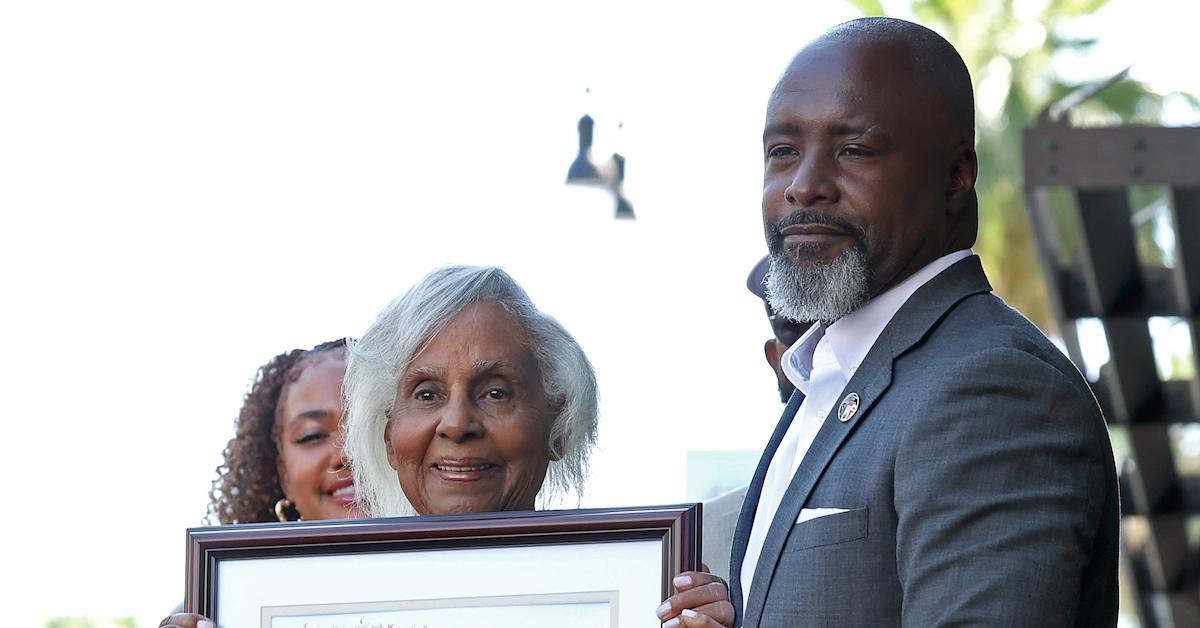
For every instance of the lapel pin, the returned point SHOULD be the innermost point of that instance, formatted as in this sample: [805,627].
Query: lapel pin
[848,408]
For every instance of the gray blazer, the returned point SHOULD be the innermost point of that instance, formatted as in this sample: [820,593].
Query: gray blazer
[977,476]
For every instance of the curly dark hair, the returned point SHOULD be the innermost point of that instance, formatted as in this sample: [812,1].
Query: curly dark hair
[247,483]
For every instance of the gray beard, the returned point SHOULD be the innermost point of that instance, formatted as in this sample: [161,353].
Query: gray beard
[818,291]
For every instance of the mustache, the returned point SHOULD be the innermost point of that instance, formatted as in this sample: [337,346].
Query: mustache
[807,217]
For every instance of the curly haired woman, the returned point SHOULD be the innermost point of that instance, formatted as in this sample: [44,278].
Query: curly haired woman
[285,462]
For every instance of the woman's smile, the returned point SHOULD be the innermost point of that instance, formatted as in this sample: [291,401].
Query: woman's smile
[465,470]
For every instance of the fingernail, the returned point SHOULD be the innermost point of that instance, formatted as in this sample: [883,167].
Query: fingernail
[204,623]
[663,610]
[690,614]
[682,581]
[674,623]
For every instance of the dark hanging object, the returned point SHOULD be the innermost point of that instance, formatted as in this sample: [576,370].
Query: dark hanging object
[610,177]
[624,207]
[583,171]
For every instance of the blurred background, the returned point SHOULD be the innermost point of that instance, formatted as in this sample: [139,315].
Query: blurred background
[189,189]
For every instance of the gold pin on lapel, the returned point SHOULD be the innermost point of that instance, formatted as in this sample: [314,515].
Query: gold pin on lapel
[848,408]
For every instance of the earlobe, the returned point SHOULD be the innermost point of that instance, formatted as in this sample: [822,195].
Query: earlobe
[964,168]
[387,444]
[771,350]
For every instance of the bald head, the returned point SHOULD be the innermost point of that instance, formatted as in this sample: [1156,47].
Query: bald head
[922,60]
[870,165]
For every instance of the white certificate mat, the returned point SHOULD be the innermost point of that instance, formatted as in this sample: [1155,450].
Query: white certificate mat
[531,583]
[553,610]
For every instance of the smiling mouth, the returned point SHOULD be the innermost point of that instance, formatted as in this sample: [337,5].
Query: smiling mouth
[450,468]
[345,492]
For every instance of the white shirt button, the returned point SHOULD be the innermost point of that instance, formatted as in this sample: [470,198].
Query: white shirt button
[821,412]
[853,369]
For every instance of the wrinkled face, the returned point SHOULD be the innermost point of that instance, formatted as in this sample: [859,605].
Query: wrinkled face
[855,157]
[470,428]
[312,468]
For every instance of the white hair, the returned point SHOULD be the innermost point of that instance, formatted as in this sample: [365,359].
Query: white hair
[818,291]
[406,326]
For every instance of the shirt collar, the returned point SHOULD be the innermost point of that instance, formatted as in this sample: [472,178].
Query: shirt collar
[853,335]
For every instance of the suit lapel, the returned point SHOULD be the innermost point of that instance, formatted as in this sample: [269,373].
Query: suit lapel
[741,534]
[871,380]
[910,325]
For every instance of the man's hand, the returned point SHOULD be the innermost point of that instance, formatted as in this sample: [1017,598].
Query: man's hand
[702,600]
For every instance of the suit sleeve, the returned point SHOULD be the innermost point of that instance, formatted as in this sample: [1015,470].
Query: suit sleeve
[999,487]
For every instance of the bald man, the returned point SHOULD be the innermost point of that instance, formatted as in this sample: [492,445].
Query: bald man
[941,463]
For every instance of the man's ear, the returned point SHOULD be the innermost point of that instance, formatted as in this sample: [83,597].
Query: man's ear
[964,169]
[387,443]
[771,349]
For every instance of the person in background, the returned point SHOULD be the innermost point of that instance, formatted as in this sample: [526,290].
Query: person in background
[721,512]
[785,331]
[285,460]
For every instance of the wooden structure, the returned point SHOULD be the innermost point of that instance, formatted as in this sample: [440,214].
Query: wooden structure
[1078,184]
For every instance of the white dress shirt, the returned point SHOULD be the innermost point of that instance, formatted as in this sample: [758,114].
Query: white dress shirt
[820,364]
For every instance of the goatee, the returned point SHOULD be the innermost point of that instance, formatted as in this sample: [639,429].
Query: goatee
[809,289]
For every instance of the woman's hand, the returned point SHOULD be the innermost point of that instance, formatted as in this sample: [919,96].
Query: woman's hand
[187,620]
[702,600]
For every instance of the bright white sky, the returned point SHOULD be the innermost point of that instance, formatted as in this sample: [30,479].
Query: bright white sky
[189,189]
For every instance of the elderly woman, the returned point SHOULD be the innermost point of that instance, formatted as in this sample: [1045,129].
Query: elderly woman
[463,397]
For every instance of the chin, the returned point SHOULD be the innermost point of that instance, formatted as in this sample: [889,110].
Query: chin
[812,253]
[463,508]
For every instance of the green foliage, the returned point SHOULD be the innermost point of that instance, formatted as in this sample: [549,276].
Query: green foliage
[868,7]
[1183,367]
[1011,58]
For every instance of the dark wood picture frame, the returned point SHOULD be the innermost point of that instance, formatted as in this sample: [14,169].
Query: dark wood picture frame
[676,526]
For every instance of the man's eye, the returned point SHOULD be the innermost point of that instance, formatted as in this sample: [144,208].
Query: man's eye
[497,394]
[781,151]
[424,395]
[856,151]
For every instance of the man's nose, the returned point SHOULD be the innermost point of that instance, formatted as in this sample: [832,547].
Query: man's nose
[459,421]
[812,184]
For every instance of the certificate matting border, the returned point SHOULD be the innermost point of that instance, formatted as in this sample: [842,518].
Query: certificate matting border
[677,527]
[539,599]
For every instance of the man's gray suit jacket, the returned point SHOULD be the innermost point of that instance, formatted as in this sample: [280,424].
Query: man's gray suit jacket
[978,477]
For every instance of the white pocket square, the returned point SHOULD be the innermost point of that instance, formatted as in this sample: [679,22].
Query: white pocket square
[808,514]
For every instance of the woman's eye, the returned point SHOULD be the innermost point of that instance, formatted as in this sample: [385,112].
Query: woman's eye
[497,394]
[424,395]
[310,438]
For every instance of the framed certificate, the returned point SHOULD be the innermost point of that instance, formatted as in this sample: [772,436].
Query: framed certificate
[602,567]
